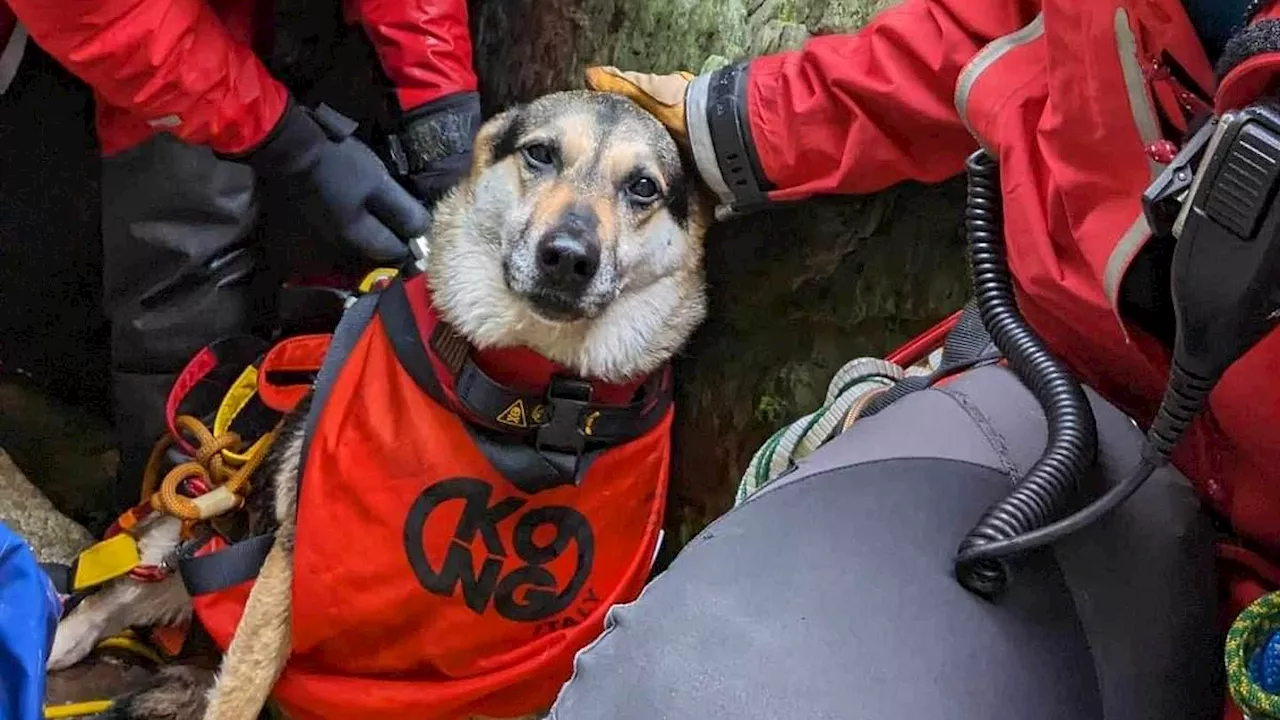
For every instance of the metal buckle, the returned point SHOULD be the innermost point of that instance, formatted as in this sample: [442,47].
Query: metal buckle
[567,399]
[396,158]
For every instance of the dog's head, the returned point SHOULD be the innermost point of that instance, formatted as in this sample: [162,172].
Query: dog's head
[578,234]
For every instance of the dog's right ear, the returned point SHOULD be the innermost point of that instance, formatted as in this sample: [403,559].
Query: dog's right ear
[496,139]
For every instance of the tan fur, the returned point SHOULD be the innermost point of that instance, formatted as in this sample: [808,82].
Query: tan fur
[645,301]
[578,132]
[260,648]
[552,204]
[653,297]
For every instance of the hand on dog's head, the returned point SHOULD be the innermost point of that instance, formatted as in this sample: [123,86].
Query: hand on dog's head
[578,233]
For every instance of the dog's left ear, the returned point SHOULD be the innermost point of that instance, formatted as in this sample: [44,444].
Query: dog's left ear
[497,139]
[702,199]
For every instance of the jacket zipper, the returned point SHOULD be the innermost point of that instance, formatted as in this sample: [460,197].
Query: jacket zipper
[1164,69]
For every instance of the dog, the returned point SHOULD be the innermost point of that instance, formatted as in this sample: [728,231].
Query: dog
[578,235]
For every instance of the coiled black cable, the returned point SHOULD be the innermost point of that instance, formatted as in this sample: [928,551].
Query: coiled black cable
[1049,488]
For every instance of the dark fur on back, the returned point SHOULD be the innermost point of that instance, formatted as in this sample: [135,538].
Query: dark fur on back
[261,501]
[175,693]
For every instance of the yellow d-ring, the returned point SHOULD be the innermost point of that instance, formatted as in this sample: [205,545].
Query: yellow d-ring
[377,276]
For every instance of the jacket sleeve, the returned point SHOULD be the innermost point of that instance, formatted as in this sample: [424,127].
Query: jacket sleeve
[853,113]
[424,46]
[170,61]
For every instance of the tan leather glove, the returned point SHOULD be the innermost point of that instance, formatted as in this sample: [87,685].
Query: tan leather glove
[661,95]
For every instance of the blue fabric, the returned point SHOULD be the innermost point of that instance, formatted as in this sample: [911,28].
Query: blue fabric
[1215,21]
[1265,665]
[29,610]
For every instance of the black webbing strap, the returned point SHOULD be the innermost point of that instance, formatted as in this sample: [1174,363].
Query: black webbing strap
[967,345]
[968,341]
[59,576]
[345,337]
[226,568]
[503,408]
[242,560]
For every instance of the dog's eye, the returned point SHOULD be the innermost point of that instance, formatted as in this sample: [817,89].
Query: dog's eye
[539,155]
[643,189]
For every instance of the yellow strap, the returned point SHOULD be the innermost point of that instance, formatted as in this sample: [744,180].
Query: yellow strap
[374,276]
[105,561]
[130,642]
[80,709]
[241,392]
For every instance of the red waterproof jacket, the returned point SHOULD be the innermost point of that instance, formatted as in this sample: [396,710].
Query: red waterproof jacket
[435,576]
[187,66]
[1071,97]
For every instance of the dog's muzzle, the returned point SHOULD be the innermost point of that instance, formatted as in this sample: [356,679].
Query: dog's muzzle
[567,260]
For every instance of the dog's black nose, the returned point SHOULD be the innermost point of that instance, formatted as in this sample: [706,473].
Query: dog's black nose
[567,261]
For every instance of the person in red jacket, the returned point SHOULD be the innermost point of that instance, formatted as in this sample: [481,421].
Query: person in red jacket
[1083,105]
[189,121]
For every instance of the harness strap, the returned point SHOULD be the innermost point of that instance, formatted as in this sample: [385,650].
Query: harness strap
[966,346]
[210,372]
[225,568]
[345,337]
[565,430]
[295,360]
[968,340]
[243,560]
[59,576]
[502,408]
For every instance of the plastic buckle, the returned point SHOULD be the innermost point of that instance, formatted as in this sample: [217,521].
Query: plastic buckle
[1164,198]
[567,400]
[107,560]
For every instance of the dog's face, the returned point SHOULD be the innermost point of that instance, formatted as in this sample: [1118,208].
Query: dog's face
[578,234]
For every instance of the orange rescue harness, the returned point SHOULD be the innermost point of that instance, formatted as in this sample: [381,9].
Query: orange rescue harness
[465,519]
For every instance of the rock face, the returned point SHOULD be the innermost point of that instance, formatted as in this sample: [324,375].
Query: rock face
[795,291]
[63,450]
[26,511]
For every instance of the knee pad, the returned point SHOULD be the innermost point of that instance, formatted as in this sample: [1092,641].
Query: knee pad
[830,593]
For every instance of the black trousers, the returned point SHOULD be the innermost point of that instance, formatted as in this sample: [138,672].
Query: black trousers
[180,260]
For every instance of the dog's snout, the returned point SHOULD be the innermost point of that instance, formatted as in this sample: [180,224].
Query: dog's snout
[568,259]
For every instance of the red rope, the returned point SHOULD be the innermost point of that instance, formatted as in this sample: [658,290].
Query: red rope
[919,347]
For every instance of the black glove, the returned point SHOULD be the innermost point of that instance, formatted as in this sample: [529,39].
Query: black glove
[315,149]
[431,150]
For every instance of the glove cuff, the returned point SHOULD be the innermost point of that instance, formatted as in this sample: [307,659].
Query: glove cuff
[1250,63]
[436,138]
[720,136]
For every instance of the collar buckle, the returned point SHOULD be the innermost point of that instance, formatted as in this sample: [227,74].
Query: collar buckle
[562,433]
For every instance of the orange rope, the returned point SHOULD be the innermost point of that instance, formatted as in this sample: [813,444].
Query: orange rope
[209,466]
